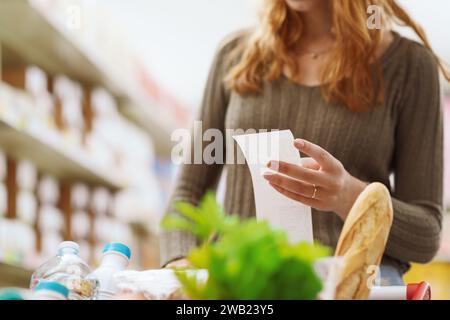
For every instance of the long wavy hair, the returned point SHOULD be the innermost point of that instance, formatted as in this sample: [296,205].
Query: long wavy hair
[349,76]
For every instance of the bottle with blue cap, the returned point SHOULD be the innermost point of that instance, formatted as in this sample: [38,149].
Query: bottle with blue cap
[50,290]
[15,294]
[115,258]
[67,268]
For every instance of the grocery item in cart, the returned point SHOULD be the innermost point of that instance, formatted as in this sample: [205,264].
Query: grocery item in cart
[157,284]
[163,284]
[50,290]
[115,258]
[412,291]
[362,241]
[15,294]
[68,269]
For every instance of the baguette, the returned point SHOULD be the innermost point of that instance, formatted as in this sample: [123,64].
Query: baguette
[362,241]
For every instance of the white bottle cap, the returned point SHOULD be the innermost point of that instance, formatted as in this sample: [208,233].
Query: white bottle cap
[69,245]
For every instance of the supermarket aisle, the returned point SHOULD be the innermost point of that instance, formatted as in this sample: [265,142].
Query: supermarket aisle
[90,93]
[81,148]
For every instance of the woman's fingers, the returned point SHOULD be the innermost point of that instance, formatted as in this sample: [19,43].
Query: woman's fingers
[297,197]
[299,172]
[310,163]
[294,186]
[323,157]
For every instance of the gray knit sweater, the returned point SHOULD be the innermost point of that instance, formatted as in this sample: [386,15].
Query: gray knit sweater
[403,136]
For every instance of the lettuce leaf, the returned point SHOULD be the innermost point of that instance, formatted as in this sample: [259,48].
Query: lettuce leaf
[246,260]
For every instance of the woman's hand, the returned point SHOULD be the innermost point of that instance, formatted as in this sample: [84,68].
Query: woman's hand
[320,182]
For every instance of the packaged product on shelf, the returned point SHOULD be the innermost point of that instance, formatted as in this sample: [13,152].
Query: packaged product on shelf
[26,206]
[69,269]
[37,84]
[48,190]
[32,80]
[80,224]
[104,108]
[108,229]
[115,258]
[25,238]
[131,148]
[50,219]
[69,116]
[50,290]
[101,201]
[63,87]
[49,241]
[17,107]
[99,150]
[26,178]
[103,227]
[80,197]
[137,205]
[17,242]
[103,104]
[44,111]
[36,81]
[27,174]
[72,114]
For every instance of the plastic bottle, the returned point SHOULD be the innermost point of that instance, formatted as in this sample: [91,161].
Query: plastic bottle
[68,269]
[50,290]
[14,294]
[116,257]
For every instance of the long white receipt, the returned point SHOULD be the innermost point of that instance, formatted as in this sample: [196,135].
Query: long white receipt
[280,211]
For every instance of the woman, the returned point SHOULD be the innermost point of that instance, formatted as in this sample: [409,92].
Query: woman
[364,102]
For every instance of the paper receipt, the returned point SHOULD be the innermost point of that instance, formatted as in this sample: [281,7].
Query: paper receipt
[280,211]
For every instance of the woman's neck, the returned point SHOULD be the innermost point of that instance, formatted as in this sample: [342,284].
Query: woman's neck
[317,23]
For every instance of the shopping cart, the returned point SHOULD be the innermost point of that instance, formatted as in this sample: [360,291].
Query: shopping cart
[412,291]
[418,291]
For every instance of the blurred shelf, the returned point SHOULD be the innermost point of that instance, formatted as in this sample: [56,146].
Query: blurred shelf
[41,40]
[14,276]
[51,154]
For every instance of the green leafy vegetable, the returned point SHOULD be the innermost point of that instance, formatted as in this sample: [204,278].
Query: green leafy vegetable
[245,260]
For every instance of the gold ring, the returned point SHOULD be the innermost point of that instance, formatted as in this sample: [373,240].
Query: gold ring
[315,192]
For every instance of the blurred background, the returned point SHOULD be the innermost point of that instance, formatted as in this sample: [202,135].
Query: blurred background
[90,92]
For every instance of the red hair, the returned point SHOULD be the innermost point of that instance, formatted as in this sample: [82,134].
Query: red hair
[348,77]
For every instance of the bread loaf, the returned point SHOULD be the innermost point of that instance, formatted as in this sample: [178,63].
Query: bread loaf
[362,241]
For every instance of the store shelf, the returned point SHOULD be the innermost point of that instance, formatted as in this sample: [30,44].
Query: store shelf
[49,152]
[63,164]
[12,275]
[38,42]
[39,39]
